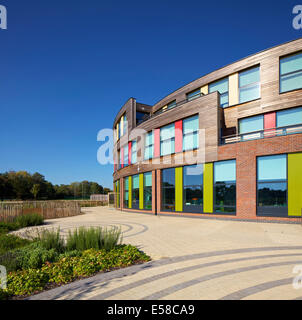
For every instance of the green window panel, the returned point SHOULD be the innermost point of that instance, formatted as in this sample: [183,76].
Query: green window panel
[179,189]
[141,191]
[295,184]
[208,188]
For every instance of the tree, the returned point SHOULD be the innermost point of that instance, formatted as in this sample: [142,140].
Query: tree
[35,190]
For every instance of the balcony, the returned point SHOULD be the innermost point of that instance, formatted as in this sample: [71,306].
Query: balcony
[175,105]
[263,134]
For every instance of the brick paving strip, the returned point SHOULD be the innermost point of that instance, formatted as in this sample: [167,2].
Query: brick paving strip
[103,278]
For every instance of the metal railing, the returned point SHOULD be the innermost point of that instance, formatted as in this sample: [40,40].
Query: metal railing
[262,134]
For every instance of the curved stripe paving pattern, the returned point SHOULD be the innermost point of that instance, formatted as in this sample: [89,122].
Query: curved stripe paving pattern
[100,282]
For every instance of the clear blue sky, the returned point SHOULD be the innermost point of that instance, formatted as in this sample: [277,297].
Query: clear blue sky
[67,66]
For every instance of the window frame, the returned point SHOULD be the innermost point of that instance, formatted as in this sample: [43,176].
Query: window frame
[250,84]
[193,208]
[135,205]
[233,213]
[144,203]
[195,96]
[221,94]
[300,70]
[191,133]
[149,145]
[162,188]
[279,214]
[172,140]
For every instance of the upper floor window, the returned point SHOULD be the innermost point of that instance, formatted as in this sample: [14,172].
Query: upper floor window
[289,117]
[119,129]
[190,133]
[141,117]
[251,124]
[149,145]
[193,95]
[291,73]
[171,105]
[134,152]
[126,155]
[222,86]
[249,85]
[120,159]
[167,139]
[125,124]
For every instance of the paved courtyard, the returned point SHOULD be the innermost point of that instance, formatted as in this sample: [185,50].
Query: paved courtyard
[191,259]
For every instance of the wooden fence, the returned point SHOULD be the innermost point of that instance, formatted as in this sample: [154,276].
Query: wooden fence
[48,209]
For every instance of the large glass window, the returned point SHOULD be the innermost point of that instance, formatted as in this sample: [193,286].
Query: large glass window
[272,185]
[126,192]
[193,95]
[149,145]
[133,152]
[135,192]
[249,85]
[190,133]
[148,190]
[250,125]
[126,155]
[117,193]
[291,73]
[289,117]
[225,186]
[167,140]
[125,124]
[119,129]
[193,188]
[222,86]
[120,159]
[168,189]
[171,105]
[141,117]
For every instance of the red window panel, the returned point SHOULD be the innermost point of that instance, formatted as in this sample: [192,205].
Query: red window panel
[178,136]
[156,143]
[269,123]
[270,120]
[129,152]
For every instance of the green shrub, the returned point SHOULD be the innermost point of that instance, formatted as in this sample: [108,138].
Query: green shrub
[70,268]
[6,227]
[26,282]
[93,238]
[9,242]
[51,239]
[34,256]
[29,220]
[3,295]
[10,261]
